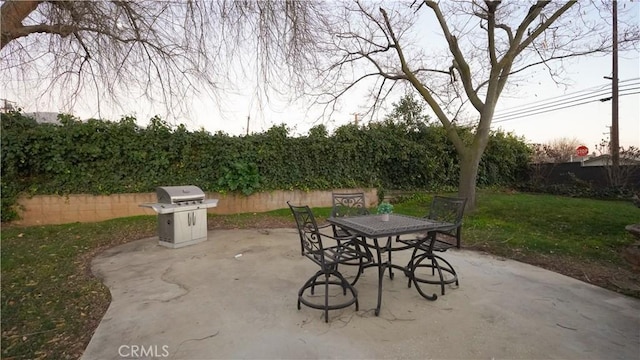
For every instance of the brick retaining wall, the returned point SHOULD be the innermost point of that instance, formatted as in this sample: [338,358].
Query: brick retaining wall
[54,209]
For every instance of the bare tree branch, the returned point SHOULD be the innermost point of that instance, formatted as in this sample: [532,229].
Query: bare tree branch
[534,12]
[426,94]
[163,51]
[553,58]
[460,63]
[12,14]
[491,26]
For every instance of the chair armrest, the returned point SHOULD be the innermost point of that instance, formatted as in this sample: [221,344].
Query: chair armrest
[419,235]
[324,226]
[339,238]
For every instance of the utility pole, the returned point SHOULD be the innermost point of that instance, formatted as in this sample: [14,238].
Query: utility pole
[248,118]
[356,118]
[615,140]
[7,106]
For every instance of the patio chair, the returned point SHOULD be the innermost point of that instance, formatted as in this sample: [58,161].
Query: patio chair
[347,204]
[446,209]
[327,258]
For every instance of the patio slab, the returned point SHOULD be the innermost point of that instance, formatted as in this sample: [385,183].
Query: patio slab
[234,297]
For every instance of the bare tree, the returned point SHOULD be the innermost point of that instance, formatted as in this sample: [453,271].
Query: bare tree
[628,169]
[163,51]
[464,66]
[562,149]
[540,165]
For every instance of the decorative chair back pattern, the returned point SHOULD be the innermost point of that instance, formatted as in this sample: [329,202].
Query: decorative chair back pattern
[447,209]
[310,237]
[451,210]
[348,204]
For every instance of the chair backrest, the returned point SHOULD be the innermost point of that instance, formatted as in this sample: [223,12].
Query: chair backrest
[448,209]
[310,237]
[348,204]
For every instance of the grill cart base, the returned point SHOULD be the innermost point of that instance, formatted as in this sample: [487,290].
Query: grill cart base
[182,215]
[182,228]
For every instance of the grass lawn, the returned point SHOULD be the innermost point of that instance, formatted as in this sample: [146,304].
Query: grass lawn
[51,304]
[543,224]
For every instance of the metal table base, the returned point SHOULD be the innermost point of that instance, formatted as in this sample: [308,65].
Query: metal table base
[372,227]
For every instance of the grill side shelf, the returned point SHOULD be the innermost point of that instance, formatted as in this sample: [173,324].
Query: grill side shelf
[162,208]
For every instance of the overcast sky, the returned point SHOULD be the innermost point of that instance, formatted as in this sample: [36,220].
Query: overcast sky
[588,122]
[584,117]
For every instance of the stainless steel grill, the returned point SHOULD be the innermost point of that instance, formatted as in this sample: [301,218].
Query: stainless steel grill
[182,215]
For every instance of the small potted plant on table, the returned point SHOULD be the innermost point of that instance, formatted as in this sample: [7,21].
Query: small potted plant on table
[385,209]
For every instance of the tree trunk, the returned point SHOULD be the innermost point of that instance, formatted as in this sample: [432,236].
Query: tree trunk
[12,13]
[469,164]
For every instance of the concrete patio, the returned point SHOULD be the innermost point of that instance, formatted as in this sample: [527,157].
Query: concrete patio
[234,297]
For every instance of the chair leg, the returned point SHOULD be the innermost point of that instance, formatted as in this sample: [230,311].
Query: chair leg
[369,254]
[410,266]
[416,281]
[360,271]
[309,283]
[351,288]
[391,275]
[451,269]
[314,283]
[326,281]
[360,268]
[435,263]
[448,269]
[326,298]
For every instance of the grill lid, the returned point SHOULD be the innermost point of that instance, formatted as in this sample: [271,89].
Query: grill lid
[178,194]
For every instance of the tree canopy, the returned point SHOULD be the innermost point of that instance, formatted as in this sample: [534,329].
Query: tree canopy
[115,52]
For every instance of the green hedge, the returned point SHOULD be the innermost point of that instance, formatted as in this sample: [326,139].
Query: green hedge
[102,157]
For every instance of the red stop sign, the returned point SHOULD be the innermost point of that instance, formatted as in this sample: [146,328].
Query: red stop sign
[582,150]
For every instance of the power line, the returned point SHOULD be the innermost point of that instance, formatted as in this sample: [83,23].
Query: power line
[560,100]
[561,104]
[560,108]
[569,95]
[596,95]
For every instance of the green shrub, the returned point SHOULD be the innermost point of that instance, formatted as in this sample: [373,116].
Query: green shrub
[242,177]
[105,157]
